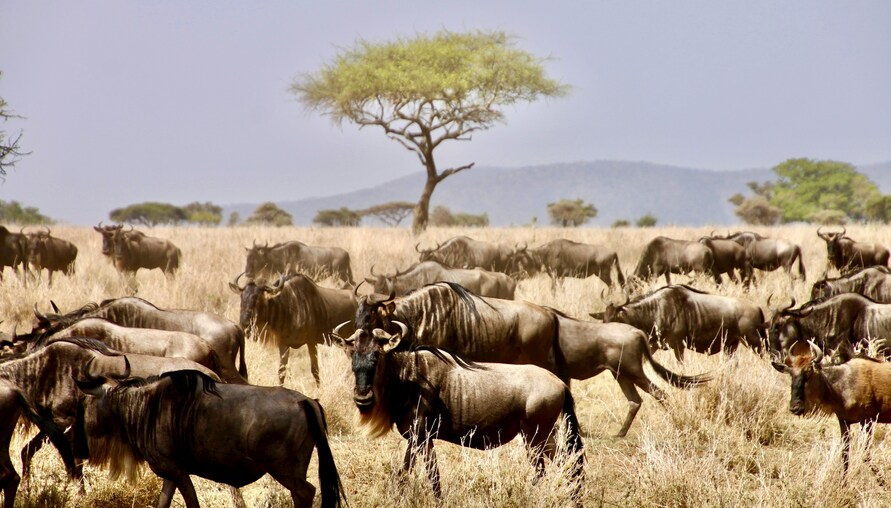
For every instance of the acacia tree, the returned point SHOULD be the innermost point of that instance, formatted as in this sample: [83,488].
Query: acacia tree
[571,213]
[426,90]
[391,213]
[10,151]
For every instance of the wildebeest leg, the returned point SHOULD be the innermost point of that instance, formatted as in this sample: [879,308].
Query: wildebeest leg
[845,428]
[29,450]
[284,354]
[869,428]
[634,402]
[314,362]
[9,479]
[432,466]
[184,484]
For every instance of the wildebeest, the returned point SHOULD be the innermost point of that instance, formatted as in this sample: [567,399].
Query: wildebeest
[465,252]
[728,257]
[294,312]
[287,258]
[108,233]
[477,281]
[681,316]
[134,250]
[224,336]
[50,253]
[13,251]
[231,434]
[856,391]
[664,256]
[843,253]
[843,321]
[566,258]
[428,395]
[768,254]
[873,282]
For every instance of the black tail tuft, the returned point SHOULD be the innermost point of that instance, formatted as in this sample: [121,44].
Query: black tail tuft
[329,479]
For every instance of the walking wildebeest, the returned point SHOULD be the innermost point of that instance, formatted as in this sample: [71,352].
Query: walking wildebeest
[728,257]
[13,251]
[134,250]
[477,281]
[768,254]
[465,252]
[843,253]
[428,395]
[664,256]
[224,336]
[565,258]
[873,282]
[231,434]
[294,312]
[681,316]
[856,391]
[265,262]
[53,254]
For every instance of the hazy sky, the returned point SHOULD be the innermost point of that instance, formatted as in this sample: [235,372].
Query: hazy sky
[130,101]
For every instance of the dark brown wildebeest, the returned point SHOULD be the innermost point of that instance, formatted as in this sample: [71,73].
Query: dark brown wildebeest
[225,337]
[13,405]
[428,395]
[13,251]
[294,312]
[664,256]
[768,254]
[465,252]
[231,434]
[446,316]
[265,262]
[840,322]
[873,282]
[845,254]
[566,258]
[108,233]
[134,250]
[477,281]
[728,257]
[680,317]
[856,391]
[52,254]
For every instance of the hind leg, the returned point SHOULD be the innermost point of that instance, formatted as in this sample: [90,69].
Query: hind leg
[284,354]
[634,402]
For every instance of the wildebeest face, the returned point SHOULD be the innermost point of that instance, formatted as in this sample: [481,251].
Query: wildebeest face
[367,352]
[821,289]
[256,260]
[615,314]
[250,297]
[803,386]
[107,233]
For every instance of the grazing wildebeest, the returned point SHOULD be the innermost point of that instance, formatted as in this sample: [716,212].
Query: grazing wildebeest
[428,395]
[294,312]
[664,256]
[873,282]
[134,250]
[856,391]
[287,258]
[13,251]
[52,254]
[566,258]
[843,253]
[231,434]
[768,254]
[477,281]
[681,316]
[728,257]
[839,322]
[224,336]
[465,252]
[13,405]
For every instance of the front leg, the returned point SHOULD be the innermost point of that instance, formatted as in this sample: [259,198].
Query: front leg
[845,428]
[184,484]
[284,354]
[314,362]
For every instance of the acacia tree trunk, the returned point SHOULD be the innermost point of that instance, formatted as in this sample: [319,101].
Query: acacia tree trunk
[422,209]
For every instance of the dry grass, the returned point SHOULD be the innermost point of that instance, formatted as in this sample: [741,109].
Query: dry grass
[729,443]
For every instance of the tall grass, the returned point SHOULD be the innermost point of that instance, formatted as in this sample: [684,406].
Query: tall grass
[731,442]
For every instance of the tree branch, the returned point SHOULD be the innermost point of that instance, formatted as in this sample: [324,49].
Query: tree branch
[449,172]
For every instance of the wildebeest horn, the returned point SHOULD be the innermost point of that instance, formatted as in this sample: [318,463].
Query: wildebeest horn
[603,294]
[818,353]
[821,235]
[40,316]
[418,250]
[234,284]
[372,271]
[100,224]
[769,307]
[402,327]
[55,307]
[48,231]
[844,230]
[356,289]
[391,287]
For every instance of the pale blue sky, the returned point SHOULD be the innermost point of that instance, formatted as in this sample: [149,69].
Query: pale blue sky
[174,101]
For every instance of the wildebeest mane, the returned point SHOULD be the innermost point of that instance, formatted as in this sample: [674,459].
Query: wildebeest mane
[69,318]
[84,342]
[447,356]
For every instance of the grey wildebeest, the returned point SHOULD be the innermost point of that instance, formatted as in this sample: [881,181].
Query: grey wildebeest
[664,256]
[465,252]
[681,317]
[232,434]
[873,282]
[224,337]
[566,258]
[445,315]
[294,312]
[856,391]
[134,250]
[13,251]
[429,395]
[477,281]
[728,257]
[768,254]
[843,253]
[265,262]
[50,253]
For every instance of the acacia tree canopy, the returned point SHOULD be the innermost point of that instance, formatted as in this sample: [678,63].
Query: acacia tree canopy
[426,90]
[10,151]
[571,213]
[270,214]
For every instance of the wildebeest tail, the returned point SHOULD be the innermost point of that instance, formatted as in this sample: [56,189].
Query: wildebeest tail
[619,275]
[242,361]
[329,479]
[800,263]
[677,380]
[574,443]
[52,431]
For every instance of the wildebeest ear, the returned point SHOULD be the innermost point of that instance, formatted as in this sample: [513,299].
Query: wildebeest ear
[596,315]
[780,367]
[392,343]
[94,387]
[391,308]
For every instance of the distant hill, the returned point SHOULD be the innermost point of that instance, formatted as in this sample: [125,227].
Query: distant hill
[619,190]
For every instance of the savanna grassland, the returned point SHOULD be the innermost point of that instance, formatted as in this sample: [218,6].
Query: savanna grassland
[731,442]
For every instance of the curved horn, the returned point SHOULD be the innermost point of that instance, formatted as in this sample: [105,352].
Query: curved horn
[266,245]
[100,225]
[340,327]
[844,230]
[234,284]
[372,271]
[769,307]
[416,248]
[603,294]
[391,287]
[818,353]
[40,316]
[131,228]
[356,289]
[402,327]
[821,235]
[48,231]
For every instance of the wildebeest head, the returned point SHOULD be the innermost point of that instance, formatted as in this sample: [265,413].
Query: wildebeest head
[251,296]
[427,254]
[833,244]
[783,329]
[614,312]
[257,259]
[524,262]
[37,243]
[384,283]
[367,351]
[805,371]
[107,233]
[821,289]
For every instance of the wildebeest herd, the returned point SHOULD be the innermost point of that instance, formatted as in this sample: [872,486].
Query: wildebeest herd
[439,350]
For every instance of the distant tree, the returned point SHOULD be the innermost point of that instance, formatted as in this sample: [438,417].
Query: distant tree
[269,214]
[149,214]
[442,217]
[807,186]
[234,219]
[646,221]
[207,214]
[426,90]
[827,217]
[10,151]
[878,209]
[471,220]
[340,217]
[391,213]
[13,212]
[621,223]
[571,213]
[756,210]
